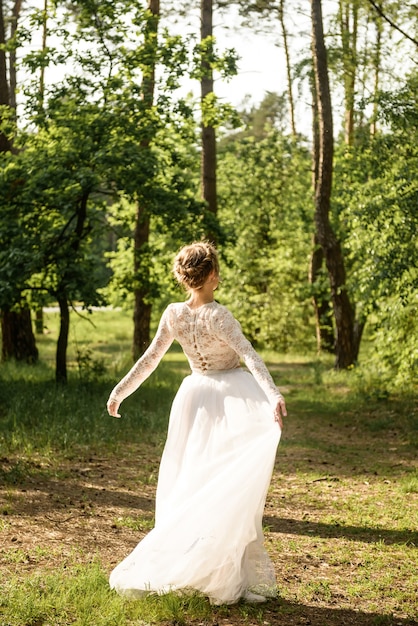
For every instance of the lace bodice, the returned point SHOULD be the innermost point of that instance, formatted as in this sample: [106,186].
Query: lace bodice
[212,340]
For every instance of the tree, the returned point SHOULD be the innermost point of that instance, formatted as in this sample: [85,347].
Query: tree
[321,297]
[18,340]
[376,63]
[208,160]
[325,337]
[63,185]
[15,336]
[376,195]
[142,304]
[348,20]
[377,6]
[288,67]
[5,144]
[346,353]
[50,218]
[17,6]
[266,213]
[260,15]
[153,110]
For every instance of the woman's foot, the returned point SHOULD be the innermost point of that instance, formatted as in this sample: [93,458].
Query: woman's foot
[253,598]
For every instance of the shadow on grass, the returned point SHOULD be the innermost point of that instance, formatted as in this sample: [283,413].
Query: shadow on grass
[87,499]
[353,533]
[284,613]
[38,493]
[281,612]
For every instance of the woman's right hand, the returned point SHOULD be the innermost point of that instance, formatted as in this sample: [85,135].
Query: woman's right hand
[113,407]
[280,412]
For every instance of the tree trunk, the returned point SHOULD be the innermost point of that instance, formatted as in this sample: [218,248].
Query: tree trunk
[5,144]
[359,325]
[44,39]
[376,58]
[12,55]
[288,72]
[208,159]
[142,307]
[18,340]
[62,299]
[39,321]
[325,337]
[62,343]
[348,13]
[343,312]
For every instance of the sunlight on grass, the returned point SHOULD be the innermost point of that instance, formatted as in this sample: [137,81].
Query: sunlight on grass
[381,576]
[409,484]
[138,523]
[77,596]
[80,595]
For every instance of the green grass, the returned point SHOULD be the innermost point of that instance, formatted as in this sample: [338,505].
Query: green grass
[135,523]
[341,516]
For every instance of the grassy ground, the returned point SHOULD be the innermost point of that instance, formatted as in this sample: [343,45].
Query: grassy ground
[77,492]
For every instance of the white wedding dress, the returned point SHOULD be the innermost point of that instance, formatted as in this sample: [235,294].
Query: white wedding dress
[216,465]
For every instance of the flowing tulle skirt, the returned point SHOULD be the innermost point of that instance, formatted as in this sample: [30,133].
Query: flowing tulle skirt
[214,476]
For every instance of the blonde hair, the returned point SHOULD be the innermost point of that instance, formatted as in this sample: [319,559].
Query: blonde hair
[194,263]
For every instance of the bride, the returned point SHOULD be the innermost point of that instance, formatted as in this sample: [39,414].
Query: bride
[224,429]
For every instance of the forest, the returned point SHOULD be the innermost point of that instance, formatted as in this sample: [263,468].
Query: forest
[116,149]
[106,171]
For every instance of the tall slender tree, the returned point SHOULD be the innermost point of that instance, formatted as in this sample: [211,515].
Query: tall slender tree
[260,15]
[325,337]
[343,311]
[44,42]
[5,144]
[348,11]
[208,162]
[376,63]
[142,304]
[17,6]
[285,37]
[18,340]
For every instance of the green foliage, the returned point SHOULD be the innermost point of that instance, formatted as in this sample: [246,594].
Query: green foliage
[98,150]
[176,215]
[51,217]
[89,367]
[265,208]
[101,141]
[375,202]
[259,120]
[206,58]
[216,113]
[395,340]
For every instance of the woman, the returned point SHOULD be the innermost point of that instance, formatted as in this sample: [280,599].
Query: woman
[224,428]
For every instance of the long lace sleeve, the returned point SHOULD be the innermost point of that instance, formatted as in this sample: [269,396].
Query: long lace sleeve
[227,328]
[147,363]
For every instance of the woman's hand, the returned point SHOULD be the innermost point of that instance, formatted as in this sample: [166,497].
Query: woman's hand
[113,407]
[280,412]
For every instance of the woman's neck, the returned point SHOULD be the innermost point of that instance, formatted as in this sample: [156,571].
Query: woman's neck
[198,297]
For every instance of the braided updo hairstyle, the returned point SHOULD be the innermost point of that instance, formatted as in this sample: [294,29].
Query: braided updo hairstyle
[194,263]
